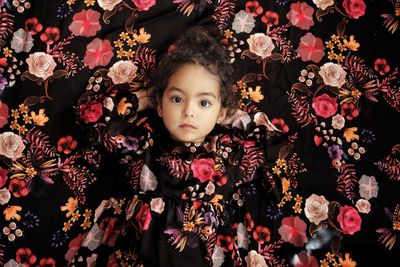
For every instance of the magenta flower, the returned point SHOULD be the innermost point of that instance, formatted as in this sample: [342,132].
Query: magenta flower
[98,53]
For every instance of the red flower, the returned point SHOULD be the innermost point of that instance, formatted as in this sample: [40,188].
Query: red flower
[111,230]
[311,48]
[354,8]
[98,53]
[325,106]
[254,8]
[270,18]
[381,66]
[349,220]
[33,26]
[301,15]
[50,262]
[203,169]
[303,259]
[280,124]
[261,234]
[66,144]
[143,217]
[50,35]
[293,230]
[25,257]
[85,23]
[91,112]
[349,111]
[18,187]
[3,114]
[225,242]
[143,5]
[220,179]
[3,177]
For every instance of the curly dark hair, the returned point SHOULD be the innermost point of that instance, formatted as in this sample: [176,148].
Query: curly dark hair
[198,45]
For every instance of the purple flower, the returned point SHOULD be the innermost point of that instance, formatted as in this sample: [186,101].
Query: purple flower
[210,219]
[335,152]
[131,143]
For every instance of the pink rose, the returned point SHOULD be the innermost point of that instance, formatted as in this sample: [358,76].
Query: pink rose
[354,8]
[333,74]
[301,15]
[3,176]
[143,5]
[108,4]
[122,71]
[253,259]
[41,65]
[143,217]
[3,114]
[311,48]
[349,220]
[260,44]
[324,106]
[91,112]
[363,206]
[11,145]
[203,169]
[157,205]
[316,208]
[98,53]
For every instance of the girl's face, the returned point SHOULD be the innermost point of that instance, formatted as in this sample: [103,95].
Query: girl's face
[191,103]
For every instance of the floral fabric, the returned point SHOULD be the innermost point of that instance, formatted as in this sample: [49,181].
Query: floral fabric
[325,72]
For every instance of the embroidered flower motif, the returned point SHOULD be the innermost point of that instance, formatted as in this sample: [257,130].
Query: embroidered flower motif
[323,4]
[5,196]
[203,169]
[354,8]
[254,8]
[349,220]
[22,41]
[261,234]
[122,71]
[311,48]
[338,122]
[90,112]
[4,115]
[261,45]
[66,144]
[316,208]
[363,206]
[50,35]
[18,188]
[253,259]
[333,74]
[25,257]
[157,205]
[293,230]
[143,217]
[304,259]
[324,105]
[11,145]
[33,26]
[368,187]
[98,53]
[41,65]
[85,23]
[143,5]
[301,15]
[108,4]
[243,22]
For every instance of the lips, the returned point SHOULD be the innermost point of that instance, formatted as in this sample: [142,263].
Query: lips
[187,126]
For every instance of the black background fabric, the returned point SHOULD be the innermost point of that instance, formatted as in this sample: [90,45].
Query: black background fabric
[165,21]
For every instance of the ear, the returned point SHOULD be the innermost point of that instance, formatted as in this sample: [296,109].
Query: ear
[222,114]
[159,107]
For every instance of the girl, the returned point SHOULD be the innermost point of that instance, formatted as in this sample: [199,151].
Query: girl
[196,185]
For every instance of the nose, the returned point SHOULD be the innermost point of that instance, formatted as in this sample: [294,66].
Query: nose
[188,110]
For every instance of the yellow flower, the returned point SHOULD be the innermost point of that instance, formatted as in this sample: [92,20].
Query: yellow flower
[342,47]
[351,44]
[7,52]
[281,163]
[340,57]
[347,262]
[67,226]
[31,172]
[285,184]
[350,134]
[86,224]
[27,119]
[40,119]
[276,170]
[256,95]
[297,209]
[23,108]
[118,43]
[131,42]
[120,53]
[335,38]
[11,213]
[331,55]
[15,113]
[129,53]
[87,214]
[14,125]
[70,206]
[143,37]
[228,34]
[89,2]
[22,129]
[75,216]
[124,35]
[329,45]
[70,2]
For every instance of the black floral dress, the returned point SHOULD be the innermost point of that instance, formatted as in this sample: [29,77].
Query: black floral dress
[190,204]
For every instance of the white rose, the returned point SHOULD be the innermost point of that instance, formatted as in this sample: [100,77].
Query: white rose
[253,259]
[122,71]
[260,44]
[316,208]
[338,122]
[363,206]
[11,145]
[157,205]
[108,4]
[323,4]
[22,41]
[108,103]
[333,74]
[4,196]
[41,65]
[210,188]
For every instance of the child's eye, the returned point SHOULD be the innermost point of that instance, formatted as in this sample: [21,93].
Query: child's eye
[205,103]
[176,99]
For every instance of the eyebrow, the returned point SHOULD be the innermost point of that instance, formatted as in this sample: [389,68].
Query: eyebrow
[200,94]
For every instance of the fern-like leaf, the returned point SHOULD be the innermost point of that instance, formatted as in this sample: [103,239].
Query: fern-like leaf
[301,109]
[224,9]
[347,181]
[6,26]
[390,166]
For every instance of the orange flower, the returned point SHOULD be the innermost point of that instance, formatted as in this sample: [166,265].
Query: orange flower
[350,134]
[347,262]
[123,106]
[70,206]
[143,37]
[11,213]
[256,95]
[40,119]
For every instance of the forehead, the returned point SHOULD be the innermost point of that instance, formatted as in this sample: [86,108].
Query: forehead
[194,79]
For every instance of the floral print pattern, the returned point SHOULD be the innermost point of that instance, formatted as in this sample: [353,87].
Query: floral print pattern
[326,73]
